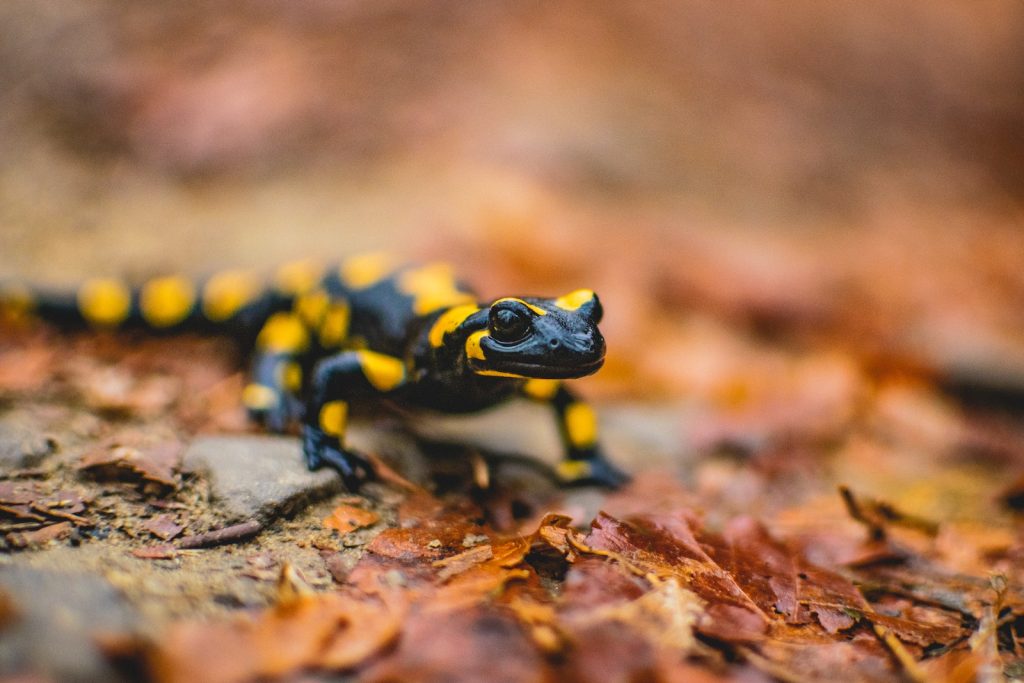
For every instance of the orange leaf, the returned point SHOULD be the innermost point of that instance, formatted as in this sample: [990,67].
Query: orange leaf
[346,518]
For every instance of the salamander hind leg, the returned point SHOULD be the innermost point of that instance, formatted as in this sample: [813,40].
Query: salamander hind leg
[272,395]
[337,382]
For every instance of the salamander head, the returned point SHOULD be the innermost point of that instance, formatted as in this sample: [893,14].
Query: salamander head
[539,338]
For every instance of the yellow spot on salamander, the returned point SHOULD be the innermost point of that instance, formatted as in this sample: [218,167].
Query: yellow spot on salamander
[432,301]
[573,300]
[104,301]
[541,389]
[259,397]
[427,277]
[334,328]
[432,287]
[536,309]
[448,322]
[167,301]
[312,306]
[473,348]
[291,376]
[359,272]
[225,293]
[334,417]
[298,277]
[382,371]
[572,470]
[283,332]
[581,425]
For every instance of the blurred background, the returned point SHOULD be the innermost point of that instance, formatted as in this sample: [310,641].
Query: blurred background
[772,200]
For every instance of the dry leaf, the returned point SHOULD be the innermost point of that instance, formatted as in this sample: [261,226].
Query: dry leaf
[163,527]
[155,464]
[346,518]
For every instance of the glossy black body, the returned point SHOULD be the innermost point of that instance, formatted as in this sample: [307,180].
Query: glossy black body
[414,337]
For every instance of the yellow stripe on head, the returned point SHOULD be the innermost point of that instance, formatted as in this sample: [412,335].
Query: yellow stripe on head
[167,301]
[104,301]
[581,425]
[536,309]
[383,372]
[298,277]
[500,373]
[225,293]
[448,322]
[359,272]
[473,348]
[573,300]
[283,332]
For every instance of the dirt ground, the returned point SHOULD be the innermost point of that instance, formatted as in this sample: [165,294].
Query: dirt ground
[805,227]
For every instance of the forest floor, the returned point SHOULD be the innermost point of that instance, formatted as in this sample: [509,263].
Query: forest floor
[805,509]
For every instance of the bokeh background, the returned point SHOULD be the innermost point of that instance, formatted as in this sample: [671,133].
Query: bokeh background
[805,220]
[747,185]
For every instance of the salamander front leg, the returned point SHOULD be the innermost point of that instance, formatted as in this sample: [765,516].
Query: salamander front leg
[585,461]
[337,382]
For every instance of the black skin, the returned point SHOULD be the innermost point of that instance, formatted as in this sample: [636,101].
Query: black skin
[558,344]
[522,340]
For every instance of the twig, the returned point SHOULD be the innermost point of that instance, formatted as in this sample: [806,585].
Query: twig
[985,641]
[386,474]
[900,653]
[228,534]
[877,514]
[875,530]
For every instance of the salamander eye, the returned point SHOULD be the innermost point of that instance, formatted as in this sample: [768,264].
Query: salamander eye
[509,322]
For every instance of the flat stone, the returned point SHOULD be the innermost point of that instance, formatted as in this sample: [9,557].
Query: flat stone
[633,436]
[638,436]
[53,621]
[258,477]
[23,443]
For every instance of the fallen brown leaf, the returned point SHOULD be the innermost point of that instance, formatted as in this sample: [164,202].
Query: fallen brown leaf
[163,527]
[346,518]
[324,631]
[156,552]
[154,464]
[27,539]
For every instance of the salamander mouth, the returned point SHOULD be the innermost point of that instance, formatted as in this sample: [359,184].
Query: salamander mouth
[541,371]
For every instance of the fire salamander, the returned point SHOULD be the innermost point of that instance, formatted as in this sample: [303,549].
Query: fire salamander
[371,329]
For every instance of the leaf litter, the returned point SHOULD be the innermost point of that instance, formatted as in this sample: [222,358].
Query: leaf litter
[686,597]
[681,577]
[742,559]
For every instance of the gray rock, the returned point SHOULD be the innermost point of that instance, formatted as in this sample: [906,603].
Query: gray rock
[634,436]
[56,617]
[639,436]
[22,442]
[258,477]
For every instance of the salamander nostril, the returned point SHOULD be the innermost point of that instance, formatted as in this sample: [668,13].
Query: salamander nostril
[554,343]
